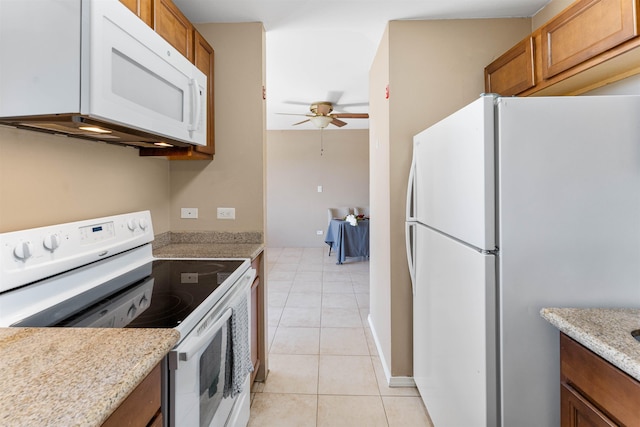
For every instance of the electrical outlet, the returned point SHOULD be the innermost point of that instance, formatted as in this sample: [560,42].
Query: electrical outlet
[319,188]
[319,232]
[226,213]
[190,213]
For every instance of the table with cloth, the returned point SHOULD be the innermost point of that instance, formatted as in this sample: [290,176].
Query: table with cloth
[348,240]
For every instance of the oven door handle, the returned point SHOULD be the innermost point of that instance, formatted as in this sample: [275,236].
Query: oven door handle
[199,342]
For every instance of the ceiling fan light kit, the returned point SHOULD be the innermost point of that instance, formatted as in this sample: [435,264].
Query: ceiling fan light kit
[321,121]
[321,115]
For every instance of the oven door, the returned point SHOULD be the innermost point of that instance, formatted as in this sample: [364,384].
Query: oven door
[200,369]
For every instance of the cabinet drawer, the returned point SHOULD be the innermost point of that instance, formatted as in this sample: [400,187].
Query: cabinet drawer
[584,30]
[606,387]
[513,72]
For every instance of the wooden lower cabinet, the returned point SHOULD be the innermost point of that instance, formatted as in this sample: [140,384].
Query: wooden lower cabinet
[258,318]
[593,391]
[142,407]
[578,411]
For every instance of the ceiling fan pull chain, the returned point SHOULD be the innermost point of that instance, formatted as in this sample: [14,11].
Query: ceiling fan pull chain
[321,142]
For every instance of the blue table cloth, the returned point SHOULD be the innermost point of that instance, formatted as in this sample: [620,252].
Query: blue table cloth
[348,240]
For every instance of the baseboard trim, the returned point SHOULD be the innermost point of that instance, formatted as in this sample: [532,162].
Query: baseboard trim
[391,381]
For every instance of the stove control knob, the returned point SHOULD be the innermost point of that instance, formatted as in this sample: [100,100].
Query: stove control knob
[144,302]
[132,224]
[143,223]
[51,242]
[23,251]
[131,313]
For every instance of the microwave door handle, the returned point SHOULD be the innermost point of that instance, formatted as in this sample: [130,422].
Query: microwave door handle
[196,106]
[193,347]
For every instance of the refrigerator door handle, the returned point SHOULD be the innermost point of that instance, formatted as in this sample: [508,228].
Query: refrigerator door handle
[411,192]
[410,234]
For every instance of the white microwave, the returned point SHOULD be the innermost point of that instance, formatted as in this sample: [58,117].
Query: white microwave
[92,69]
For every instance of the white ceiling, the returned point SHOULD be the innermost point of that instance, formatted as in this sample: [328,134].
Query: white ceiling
[322,50]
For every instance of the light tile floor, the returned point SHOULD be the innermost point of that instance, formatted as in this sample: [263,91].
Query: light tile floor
[324,369]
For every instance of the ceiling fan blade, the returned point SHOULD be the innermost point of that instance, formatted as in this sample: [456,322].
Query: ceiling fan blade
[333,96]
[305,103]
[339,105]
[351,115]
[299,123]
[337,122]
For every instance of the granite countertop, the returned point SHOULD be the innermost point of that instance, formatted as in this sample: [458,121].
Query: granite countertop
[74,377]
[213,244]
[606,332]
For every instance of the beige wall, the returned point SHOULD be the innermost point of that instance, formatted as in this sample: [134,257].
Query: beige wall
[549,11]
[432,68]
[296,168]
[47,180]
[380,189]
[235,177]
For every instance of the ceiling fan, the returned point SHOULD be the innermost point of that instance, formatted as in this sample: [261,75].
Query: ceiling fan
[322,116]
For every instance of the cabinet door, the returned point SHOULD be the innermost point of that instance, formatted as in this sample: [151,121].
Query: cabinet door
[584,30]
[171,24]
[513,72]
[579,412]
[605,386]
[204,61]
[142,8]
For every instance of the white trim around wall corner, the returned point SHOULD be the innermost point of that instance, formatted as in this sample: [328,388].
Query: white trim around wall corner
[391,381]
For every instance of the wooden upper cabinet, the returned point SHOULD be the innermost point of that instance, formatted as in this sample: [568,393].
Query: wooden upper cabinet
[513,72]
[585,29]
[203,59]
[142,8]
[174,27]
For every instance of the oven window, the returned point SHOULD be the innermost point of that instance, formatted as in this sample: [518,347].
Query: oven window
[212,375]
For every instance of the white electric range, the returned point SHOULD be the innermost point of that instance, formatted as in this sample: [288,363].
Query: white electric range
[101,273]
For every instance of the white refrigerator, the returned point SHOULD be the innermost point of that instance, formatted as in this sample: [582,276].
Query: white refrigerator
[515,204]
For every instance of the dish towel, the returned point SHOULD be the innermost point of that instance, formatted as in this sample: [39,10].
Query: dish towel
[238,349]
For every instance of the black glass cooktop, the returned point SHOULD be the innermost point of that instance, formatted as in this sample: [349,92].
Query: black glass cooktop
[159,294]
